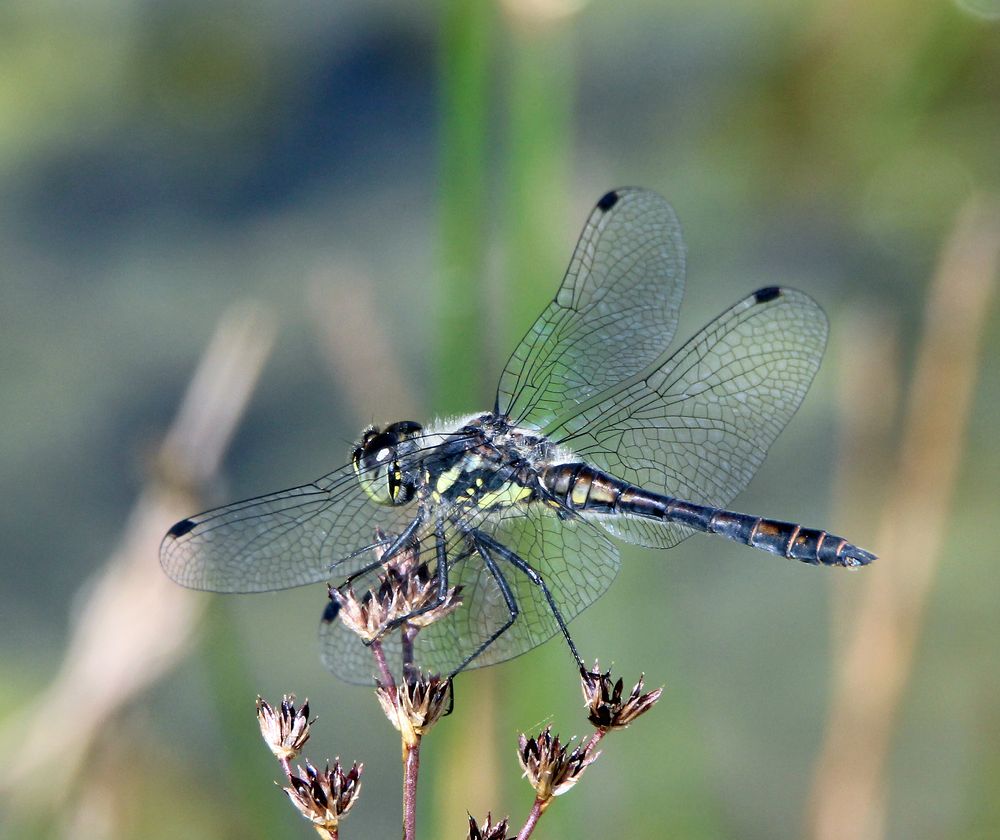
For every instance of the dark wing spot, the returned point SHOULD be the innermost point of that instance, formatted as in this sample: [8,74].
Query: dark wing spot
[181,528]
[767,294]
[608,200]
[330,611]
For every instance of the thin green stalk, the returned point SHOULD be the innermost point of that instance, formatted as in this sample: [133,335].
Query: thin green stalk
[247,764]
[540,97]
[468,31]
[466,52]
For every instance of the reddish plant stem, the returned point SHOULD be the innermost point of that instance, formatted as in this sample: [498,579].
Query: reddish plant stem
[383,666]
[286,767]
[411,765]
[594,740]
[537,809]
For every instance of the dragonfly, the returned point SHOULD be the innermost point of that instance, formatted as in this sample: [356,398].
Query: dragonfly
[598,431]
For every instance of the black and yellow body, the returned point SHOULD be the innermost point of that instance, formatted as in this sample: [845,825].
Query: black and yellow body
[582,488]
[487,465]
[599,427]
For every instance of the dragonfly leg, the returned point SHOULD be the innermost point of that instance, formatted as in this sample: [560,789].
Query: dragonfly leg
[395,545]
[333,606]
[532,574]
[440,573]
[512,609]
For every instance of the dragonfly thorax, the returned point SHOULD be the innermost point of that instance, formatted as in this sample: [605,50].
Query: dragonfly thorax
[485,462]
[376,463]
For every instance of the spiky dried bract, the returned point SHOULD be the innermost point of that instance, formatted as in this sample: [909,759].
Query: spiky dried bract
[285,730]
[415,705]
[325,796]
[367,615]
[488,830]
[551,767]
[419,595]
[406,590]
[603,696]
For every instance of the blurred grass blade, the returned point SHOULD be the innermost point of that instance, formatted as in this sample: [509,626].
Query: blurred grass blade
[541,93]
[134,624]
[849,786]
[466,51]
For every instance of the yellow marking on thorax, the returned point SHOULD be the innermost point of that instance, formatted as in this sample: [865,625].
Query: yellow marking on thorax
[509,494]
[448,478]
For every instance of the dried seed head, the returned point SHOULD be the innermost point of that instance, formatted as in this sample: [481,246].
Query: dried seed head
[488,830]
[406,589]
[607,709]
[419,595]
[551,767]
[368,615]
[285,731]
[324,797]
[415,705]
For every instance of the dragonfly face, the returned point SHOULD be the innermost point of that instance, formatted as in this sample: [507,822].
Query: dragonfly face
[597,430]
[377,466]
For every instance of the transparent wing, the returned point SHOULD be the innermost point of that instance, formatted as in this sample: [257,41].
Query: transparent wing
[344,654]
[614,314]
[280,540]
[577,561]
[698,425]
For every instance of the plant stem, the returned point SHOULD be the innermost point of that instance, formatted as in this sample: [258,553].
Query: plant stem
[383,666]
[467,46]
[411,765]
[407,635]
[594,740]
[537,809]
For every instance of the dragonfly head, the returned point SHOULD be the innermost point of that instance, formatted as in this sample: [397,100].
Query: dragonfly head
[376,463]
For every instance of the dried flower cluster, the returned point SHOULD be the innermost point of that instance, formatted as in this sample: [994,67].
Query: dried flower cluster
[407,598]
[607,709]
[415,705]
[285,730]
[325,796]
[405,591]
[487,830]
[552,767]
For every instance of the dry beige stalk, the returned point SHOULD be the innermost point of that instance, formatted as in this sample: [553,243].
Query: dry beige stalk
[849,787]
[134,623]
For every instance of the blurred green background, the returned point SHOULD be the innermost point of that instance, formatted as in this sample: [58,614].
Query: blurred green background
[398,186]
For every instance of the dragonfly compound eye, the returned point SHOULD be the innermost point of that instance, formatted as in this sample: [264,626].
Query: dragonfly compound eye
[377,468]
[400,490]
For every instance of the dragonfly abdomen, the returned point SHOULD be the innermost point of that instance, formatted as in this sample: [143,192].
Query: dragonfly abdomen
[787,539]
[584,488]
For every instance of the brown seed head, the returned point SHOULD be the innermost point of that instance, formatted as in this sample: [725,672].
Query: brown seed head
[404,588]
[419,594]
[415,705]
[285,731]
[324,797]
[368,615]
[551,767]
[488,830]
[607,709]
